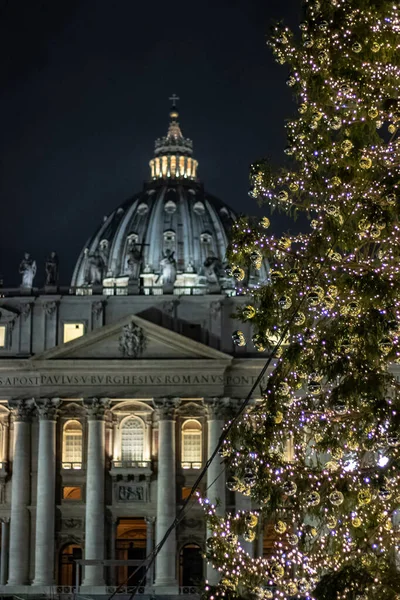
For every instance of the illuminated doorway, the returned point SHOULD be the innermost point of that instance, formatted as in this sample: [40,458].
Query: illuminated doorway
[131,545]
[67,571]
[190,566]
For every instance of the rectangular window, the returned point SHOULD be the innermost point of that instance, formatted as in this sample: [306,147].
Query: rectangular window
[73,331]
[72,493]
[2,336]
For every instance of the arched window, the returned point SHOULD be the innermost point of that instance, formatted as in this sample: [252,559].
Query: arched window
[72,445]
[132,440]
[191,444]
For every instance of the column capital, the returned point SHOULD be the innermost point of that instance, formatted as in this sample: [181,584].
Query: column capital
[166,407]
[96,408]
[150,520]
[218,408]
[47,408]
[5,520]
[21,410]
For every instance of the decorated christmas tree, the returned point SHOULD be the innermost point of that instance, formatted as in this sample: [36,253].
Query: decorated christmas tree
[319,455]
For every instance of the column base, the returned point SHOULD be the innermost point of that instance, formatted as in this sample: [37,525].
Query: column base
[36,584]
[169,587]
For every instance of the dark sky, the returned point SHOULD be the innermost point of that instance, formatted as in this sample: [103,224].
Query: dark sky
[84,88]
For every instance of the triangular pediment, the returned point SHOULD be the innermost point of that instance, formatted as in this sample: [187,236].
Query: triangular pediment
[132,338]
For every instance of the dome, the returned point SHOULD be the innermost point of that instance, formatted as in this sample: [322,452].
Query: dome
[169,238]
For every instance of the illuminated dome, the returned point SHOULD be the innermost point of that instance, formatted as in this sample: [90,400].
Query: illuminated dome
[169,238]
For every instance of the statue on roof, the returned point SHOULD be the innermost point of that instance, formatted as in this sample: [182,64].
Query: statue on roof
[51,269]
[95,269]
[168,268]
[211,268]
[133,259]
[27,269]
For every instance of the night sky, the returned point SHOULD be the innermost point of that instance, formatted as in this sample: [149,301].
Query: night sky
[84,92]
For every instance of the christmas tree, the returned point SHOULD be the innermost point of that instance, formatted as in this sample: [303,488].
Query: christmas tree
[330,317]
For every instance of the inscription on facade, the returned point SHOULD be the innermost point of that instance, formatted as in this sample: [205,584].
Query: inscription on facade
[123,379]
[132,493]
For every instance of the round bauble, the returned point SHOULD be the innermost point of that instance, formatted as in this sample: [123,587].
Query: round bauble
[336,498]
[289,488]
[313,499]
[238,338]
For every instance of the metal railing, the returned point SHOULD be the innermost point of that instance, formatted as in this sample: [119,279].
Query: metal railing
[191,465]
[131,464]
[71,466]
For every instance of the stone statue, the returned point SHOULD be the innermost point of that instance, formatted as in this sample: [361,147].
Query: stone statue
[168,268]
[51,268]
[211,269]
[103,253]
[27,269]
[95,269]
[133,260]
[132,341]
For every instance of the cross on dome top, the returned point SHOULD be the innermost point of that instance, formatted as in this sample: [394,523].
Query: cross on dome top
[173,153]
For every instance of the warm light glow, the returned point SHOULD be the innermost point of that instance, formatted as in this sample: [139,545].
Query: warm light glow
[73,331]
[2,336]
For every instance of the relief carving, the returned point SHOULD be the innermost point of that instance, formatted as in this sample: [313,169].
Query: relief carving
[132,341]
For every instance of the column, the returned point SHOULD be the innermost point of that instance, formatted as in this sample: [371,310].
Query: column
[166,582]
[217,411]
[5,541]
[45,499]
[113,541]
[149,550]
[94,517]
[20,495]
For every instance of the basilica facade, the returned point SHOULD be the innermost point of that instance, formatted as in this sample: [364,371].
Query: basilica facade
[115,390]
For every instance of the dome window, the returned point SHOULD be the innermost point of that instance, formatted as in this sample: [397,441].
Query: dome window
[205,238]
[142,208]
[170,207]
[199,208]
[169,240]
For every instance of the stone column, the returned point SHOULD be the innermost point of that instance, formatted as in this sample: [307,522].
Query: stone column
[45,499]
[113,541]
[94,519]
[166,582]
[20,494]
[149,549]
[5,541]
[216,491]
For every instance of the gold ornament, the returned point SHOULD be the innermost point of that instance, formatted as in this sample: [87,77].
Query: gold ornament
[277,571]
[291,588]
[283,388]
[280,527]
[249,536]
[332,209]
[336,123]
[356,47]
[249,312]
[388,525]
[356,522]
[336,498]
[331,466]
[251,520]
[285,302]
[346,146]
[313,499]
[365,162]
[278,417]
[302,109]
[392,128]
[299,319]
[333,290]
[238,338]
[293,539]
[385,346]
[238,273]
[283,196]
[337,453]
[375,47]
[293,186]
[335,181]
[373,112]
[258,342]
[329,302]
[331,522]
[364,497]
[265,222]
[284,243]
[354,308]
[276,276]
